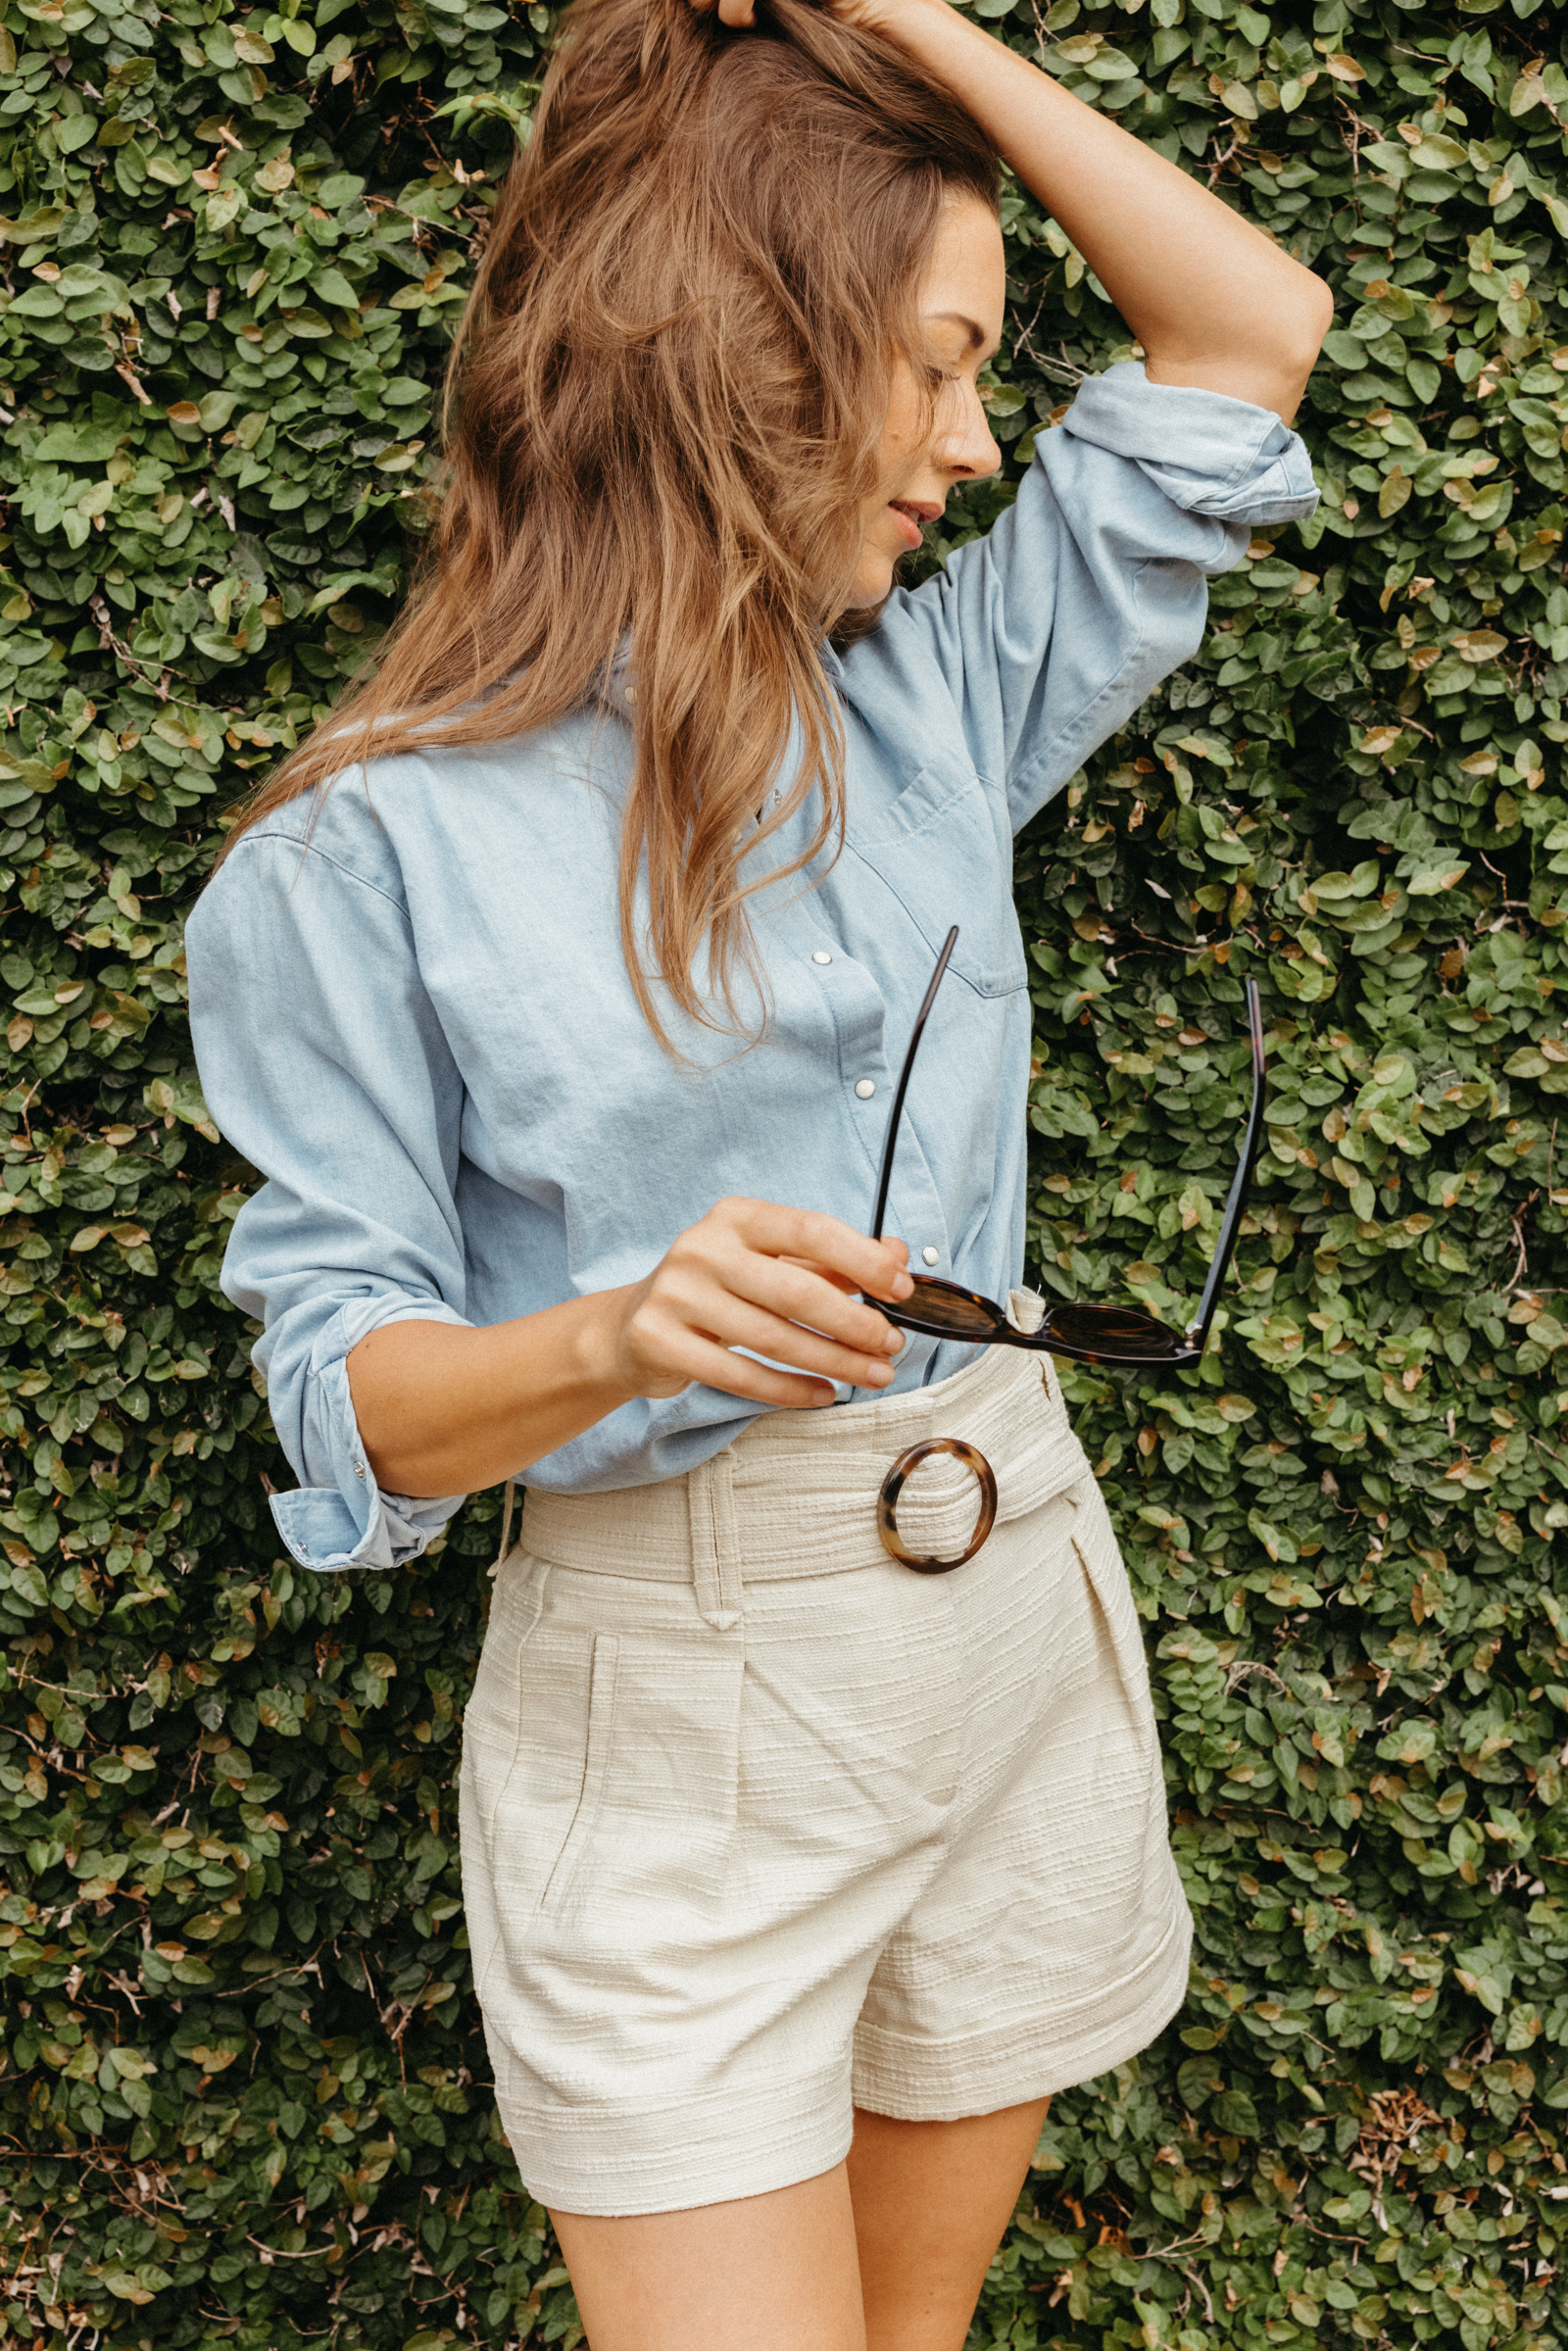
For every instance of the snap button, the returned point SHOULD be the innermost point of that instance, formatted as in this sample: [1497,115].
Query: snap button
[631,693]
[865,1088]
[932,1257]
[358,1469]
[820,956]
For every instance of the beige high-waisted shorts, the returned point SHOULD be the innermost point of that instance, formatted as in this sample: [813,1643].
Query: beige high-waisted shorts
[759,1825]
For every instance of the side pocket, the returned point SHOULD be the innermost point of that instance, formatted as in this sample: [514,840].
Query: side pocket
[1099,1556]
[618,1819]
[493,1732]
[603,1669]
[492,1719]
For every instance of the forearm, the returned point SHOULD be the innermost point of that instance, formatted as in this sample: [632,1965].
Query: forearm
[1211,300]
[443,1408]
[446,1409]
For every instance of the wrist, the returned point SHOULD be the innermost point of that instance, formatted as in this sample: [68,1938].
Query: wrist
[909,24]
[599,1353]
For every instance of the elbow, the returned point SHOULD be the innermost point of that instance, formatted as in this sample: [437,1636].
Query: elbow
[1270,364]
[1317,317]
[1302,339]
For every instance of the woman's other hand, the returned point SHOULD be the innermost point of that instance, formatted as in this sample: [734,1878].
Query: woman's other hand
[784,1282]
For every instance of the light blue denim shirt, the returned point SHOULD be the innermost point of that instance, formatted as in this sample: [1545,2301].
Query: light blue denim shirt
[412,1013]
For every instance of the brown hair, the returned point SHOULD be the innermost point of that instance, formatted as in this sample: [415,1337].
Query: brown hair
[662,419]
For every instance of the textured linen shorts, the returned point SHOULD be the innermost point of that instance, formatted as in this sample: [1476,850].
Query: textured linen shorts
[759,1825]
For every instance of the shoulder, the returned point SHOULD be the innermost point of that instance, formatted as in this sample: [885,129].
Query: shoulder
[337,834]
[388,824]
[411,842]
[338,859]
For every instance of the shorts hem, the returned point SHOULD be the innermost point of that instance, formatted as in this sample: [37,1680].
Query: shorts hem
[680,2154]
[1018,2059]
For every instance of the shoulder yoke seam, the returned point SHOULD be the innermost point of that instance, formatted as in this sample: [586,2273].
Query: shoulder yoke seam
[309,849]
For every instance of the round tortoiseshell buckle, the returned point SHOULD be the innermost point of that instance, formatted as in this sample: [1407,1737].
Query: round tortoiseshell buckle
[887,1524]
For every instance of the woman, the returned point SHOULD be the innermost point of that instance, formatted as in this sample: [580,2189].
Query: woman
[557,990]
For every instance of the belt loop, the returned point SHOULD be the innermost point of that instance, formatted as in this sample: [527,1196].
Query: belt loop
[506,1527]
[716,1546]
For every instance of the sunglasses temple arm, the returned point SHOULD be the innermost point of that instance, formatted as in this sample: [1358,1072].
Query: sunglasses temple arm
[885,1177]
[1198,1330]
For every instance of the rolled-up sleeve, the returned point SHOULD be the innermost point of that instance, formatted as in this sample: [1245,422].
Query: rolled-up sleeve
[323,1061]
[1092,587]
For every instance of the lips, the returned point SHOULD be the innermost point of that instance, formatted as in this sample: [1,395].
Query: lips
[914,513]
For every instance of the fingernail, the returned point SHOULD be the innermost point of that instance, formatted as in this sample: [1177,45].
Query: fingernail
[904,1286]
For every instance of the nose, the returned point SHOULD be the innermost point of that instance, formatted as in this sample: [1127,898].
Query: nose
[966,447]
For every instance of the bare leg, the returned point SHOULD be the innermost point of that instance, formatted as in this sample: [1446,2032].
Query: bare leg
[931,2202]
[774,2272]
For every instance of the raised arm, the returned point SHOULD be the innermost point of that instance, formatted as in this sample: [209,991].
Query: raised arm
[1211,300]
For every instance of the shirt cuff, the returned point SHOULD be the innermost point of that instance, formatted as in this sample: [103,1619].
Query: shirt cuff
[1235,462]
[351,1522]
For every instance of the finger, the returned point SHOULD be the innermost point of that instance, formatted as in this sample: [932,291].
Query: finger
[743,1324]
[707,1359]
[777,1232]
[898,1283]
[678,1313]
[744,1246]
[737,14]
[825,1273]
[842,1280]
[801,1293]
[718,1265]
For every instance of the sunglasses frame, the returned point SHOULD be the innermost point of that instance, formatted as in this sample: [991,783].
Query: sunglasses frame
[1184,1348]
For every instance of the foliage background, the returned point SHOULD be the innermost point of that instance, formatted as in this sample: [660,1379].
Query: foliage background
[243,2093]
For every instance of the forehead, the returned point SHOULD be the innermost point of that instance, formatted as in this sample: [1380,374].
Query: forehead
[966,280]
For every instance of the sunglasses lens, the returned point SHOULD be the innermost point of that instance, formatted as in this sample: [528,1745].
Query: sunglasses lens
[950,1309]
[1115,1331]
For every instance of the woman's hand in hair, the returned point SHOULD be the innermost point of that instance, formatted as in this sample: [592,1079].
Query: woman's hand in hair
[739,13]
[447,1409]
[1212,301]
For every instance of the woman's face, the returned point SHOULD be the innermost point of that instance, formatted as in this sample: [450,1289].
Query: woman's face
[936,432]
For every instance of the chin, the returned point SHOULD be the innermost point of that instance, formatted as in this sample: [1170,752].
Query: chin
[874,583]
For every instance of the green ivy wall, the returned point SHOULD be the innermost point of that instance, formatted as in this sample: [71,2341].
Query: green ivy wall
[243,2089]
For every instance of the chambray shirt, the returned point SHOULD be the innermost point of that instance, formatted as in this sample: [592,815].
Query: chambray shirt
[411,1011]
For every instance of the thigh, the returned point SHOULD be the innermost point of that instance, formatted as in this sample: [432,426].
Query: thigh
[931,2202]
[770,2273]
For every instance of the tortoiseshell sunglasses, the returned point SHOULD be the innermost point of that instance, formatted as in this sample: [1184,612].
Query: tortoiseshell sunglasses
[1089,1333]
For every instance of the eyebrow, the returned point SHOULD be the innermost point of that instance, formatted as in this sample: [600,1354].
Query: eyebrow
[976,333]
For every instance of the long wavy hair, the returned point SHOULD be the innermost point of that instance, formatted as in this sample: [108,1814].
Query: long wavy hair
[662,424]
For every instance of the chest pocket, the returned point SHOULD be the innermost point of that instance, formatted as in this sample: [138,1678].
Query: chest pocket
[944,849]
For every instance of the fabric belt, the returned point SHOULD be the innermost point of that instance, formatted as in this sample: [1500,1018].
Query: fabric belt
[796,1494]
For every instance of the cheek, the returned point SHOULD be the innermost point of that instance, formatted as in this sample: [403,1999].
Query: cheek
[904,428]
